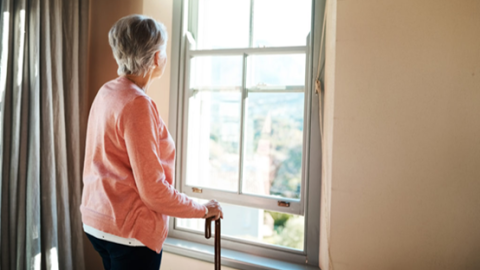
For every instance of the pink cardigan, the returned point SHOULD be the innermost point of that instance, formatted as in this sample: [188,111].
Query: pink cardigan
[129,168]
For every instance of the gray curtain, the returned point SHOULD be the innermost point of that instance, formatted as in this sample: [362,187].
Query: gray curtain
[43,111]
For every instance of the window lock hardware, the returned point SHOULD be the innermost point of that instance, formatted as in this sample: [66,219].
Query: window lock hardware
[194,92]
[197,190]
[283,204]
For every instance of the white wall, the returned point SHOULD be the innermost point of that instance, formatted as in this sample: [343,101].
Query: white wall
[405,175]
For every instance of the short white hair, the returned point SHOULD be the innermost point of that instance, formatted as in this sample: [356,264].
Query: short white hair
[134,40]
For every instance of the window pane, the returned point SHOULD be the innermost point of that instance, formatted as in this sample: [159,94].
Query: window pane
[276,70]
[281,22]
[223,24]
[214,123]
[216,73]
[255,225]
[273,144]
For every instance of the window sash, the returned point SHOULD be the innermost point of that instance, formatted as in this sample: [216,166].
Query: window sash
[278,204]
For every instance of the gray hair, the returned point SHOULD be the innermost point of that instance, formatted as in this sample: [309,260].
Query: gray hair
[134,40]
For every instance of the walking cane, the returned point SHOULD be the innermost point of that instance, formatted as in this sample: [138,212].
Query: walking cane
[208,234]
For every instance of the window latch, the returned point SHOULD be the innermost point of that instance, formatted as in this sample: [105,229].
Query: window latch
[283,204]
[197,190]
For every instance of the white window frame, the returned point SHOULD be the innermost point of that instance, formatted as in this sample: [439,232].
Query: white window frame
[311,159]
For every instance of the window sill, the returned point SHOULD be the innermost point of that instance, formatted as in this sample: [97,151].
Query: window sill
[230,258]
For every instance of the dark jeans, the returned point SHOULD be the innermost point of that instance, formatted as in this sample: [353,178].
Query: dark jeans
[121,257]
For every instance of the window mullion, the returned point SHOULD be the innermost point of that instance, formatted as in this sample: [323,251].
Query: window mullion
[242,123]
[250,51]
[306,129]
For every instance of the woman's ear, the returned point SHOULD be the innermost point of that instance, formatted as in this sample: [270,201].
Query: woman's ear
[160,59]
[157,58]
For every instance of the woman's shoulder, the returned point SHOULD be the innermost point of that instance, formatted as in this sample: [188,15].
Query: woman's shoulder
[139,105]
[122,86]
[120,91]
[140,111]
[116,96]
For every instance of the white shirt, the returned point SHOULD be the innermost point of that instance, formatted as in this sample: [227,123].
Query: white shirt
[111,238]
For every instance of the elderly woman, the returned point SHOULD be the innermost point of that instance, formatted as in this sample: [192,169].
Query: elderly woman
[128,176]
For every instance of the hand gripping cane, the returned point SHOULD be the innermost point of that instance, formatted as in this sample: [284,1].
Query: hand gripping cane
[208,234]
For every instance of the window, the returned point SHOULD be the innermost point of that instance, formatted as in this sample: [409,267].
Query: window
[243,122]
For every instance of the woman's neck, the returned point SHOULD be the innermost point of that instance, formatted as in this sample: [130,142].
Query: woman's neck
[140,81]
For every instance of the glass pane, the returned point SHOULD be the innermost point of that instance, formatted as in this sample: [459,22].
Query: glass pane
[214,123]
[265,71]
[216,72]
[273,144]
[281,22]
[255,225]
[223,24]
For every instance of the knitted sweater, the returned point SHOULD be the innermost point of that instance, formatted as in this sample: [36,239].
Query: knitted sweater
[129,168]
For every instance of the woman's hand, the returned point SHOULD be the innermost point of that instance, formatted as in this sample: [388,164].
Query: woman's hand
[214,210]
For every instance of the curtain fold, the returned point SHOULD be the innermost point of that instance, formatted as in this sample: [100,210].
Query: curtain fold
[43,113]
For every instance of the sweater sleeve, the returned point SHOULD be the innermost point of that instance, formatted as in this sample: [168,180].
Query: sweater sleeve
[141,126]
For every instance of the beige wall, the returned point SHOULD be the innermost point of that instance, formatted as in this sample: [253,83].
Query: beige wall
[159,91]
[405,175]
[103,14]
[101,62]
[403,130]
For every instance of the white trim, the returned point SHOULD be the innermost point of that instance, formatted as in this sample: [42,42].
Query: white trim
[112,238]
